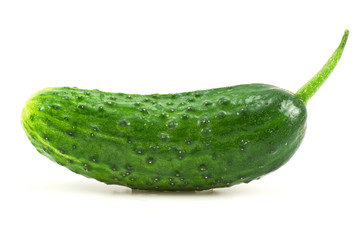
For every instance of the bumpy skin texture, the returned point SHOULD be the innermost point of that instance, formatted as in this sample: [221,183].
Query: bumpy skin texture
[186,141]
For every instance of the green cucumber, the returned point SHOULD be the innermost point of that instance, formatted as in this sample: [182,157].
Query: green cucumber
[185,141]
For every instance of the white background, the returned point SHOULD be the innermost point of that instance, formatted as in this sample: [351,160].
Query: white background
[173,46]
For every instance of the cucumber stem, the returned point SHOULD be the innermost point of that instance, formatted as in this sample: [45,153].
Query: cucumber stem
[311,87]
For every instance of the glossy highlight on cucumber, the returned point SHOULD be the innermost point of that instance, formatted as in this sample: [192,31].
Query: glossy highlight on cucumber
[172,142]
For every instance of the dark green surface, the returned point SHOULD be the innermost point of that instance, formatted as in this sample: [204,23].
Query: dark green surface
[186,141]
[195,140]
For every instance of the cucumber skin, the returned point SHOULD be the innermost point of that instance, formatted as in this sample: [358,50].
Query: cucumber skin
[186,141]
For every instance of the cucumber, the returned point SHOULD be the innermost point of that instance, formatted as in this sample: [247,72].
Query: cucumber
[185,141]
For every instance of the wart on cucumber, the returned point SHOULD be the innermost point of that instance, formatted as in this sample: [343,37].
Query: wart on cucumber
[172,142]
